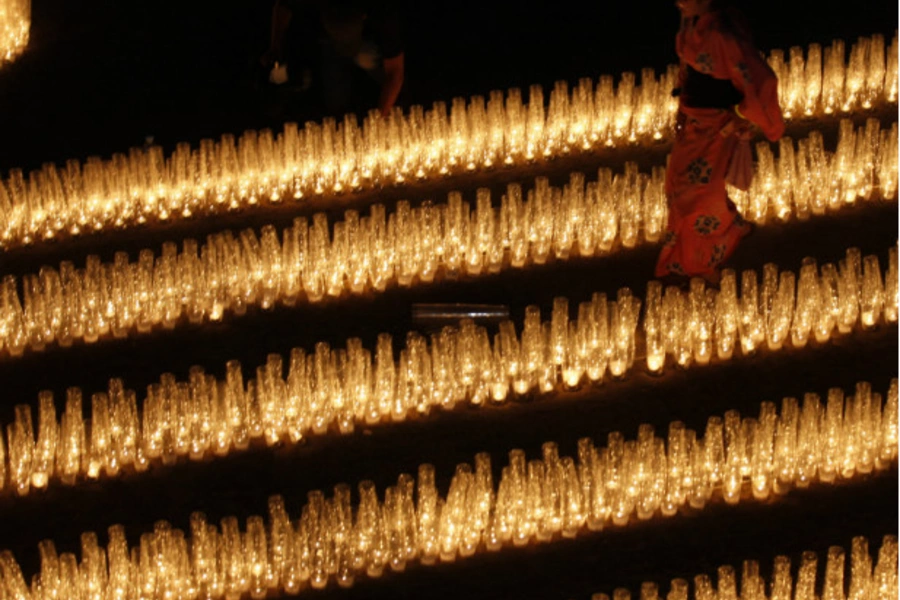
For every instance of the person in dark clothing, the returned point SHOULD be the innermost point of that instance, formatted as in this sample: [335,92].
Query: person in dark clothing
[348,37]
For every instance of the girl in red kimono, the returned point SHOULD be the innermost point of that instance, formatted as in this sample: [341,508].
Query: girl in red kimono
[724,86]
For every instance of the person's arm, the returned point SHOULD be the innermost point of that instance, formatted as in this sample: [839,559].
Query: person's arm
[281,20]
[755,80]
[393,83]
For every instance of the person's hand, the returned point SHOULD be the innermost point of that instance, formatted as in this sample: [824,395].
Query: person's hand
[279,74]
[367,59]
[743,128]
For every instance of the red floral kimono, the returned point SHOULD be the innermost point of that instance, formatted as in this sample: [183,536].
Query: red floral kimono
[703,226]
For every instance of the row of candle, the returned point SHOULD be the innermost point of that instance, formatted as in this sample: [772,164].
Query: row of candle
[781,308]
[822,82]
[15,24]
[332,157]
[806,179]
[868,579]
[337,388]
[535,500]
[311,260]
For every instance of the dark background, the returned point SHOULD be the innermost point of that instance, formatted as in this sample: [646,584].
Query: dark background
[100,75]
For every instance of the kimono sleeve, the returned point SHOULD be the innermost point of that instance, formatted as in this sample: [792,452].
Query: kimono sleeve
[753,77]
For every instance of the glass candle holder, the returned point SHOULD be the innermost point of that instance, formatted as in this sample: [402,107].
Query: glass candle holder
[703,588]
[785,463]
[727,315]
[872,293]
[753,320]
[860,569]
[700,487]
[649,591]
[763,452]
[677,467]
[782,582]
[735,448]
[702,319]
[834,574]
[849,290]
[889,427]
[782,310]
[885,575]
[20,441]
[829,303]
[808,440]
[621,594]
[678,590]
[654,338]
[807,307]
[46,447]
[806,577]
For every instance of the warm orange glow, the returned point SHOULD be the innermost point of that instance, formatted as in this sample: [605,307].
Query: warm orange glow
[538,500]
[339,155]
[867,578]
[326,388]
[311,260]
[15,23]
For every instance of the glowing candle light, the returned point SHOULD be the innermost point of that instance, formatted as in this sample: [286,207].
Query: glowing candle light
[621,594]
[753,314]
[654,336]
[829,302]
[735,447]
[338,155]
[849,288]
[785,456]
[230,274]
[808,303]
[20,441]
[678,590]
[702,315]
[834,574]
[12,575]
[703,588]
[726,583]
[334,540]
[890,72]
[885,575]
[46,447]
[886,160]
[342,386]
[762,452]
[15,25]
[649,591]
[781,311]
[833,76]
[753,585]
[808,437]
[811,78]
[872,292]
